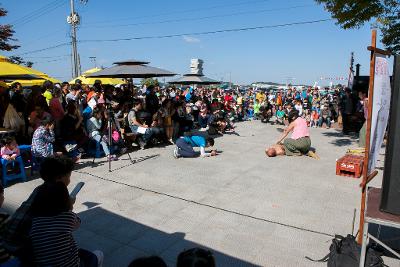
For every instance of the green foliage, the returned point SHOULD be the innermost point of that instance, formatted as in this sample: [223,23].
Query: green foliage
[149,81]
[20,61]
[6,34]
[384,14]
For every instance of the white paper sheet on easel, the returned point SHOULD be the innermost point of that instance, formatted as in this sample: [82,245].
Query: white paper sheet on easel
[380,110]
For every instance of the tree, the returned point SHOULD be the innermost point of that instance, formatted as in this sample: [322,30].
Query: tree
[384,14]
[149,81]
[6,34]
[20,61]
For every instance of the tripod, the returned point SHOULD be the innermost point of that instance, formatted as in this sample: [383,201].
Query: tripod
[110,123]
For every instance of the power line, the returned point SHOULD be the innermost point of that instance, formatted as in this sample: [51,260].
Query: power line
[199,18]
[182,11]
[207,32]
[33,12]
[54,60]
[179,35]
[39,13]
[44,49]
[50,56]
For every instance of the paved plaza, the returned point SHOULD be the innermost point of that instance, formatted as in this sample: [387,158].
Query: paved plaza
[248,209]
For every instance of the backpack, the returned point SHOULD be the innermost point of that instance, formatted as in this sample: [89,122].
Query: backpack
[345,252]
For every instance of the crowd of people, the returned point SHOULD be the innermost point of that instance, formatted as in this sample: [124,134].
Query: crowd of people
[63,121]
[72,119]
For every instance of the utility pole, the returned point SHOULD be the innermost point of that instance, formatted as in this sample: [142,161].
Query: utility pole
[74,20]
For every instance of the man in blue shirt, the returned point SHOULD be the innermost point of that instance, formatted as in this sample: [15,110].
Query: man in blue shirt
[185,145]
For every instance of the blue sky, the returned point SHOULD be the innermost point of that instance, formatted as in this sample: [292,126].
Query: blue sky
[303,52]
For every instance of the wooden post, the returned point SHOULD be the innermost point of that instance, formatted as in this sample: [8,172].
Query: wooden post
[368,136]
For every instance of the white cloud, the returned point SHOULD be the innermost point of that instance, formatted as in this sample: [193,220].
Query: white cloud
[189,39]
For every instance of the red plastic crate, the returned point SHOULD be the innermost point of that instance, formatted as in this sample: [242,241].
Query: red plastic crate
[350,165]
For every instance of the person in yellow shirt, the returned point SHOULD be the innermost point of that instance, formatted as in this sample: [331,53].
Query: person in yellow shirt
[48,87]
[260,96]
[239,100]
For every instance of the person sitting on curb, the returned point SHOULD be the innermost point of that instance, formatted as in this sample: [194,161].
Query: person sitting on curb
[143,131]
[184,147]
[299,144]
[94,126]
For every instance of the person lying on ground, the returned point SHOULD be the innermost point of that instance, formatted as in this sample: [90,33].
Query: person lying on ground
[184,147]
[299,144]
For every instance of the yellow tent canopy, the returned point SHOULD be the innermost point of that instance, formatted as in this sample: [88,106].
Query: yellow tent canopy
[8,68]
[87,80]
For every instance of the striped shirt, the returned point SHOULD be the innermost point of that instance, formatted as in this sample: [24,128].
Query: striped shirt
[52,240]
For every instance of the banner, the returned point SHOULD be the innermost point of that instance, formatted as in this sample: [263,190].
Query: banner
[380,109]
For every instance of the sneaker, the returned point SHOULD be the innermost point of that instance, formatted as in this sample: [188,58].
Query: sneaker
[313,155]
[70,147]
[141,143]
[112,157]
[176,153]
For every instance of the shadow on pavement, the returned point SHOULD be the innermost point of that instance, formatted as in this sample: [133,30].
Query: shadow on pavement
[340,139]
[341,142]
[123,240]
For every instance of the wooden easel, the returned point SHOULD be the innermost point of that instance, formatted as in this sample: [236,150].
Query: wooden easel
[367,176]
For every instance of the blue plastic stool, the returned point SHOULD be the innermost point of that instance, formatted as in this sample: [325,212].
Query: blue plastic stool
[32,161]
[9,177]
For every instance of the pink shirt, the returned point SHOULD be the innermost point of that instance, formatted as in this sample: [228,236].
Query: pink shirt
[300,129]
[5,151]
[56,109]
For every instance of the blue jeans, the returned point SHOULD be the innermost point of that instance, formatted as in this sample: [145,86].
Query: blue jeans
[185,150]
[146,136]
[326,120]
[98,138]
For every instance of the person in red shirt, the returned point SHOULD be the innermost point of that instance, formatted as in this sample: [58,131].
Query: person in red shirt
[228,98]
